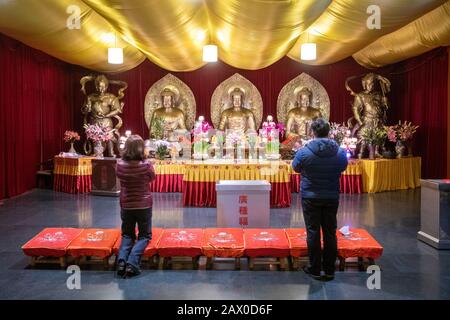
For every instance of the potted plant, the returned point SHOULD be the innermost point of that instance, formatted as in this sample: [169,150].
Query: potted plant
[162,149]
[373,138]
[71,137]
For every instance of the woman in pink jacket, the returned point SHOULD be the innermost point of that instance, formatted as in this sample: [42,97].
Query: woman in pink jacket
[135,174]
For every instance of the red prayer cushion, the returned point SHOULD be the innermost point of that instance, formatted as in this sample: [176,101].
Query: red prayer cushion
[224,242]
[297,242]
[358,244]
[180,242]
[94,242]
[266,243]
[51,242]
[151,248]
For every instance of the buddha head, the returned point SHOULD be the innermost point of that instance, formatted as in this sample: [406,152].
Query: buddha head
[237,97]
[168,98]
[101,83]
[304,98]
[368,82]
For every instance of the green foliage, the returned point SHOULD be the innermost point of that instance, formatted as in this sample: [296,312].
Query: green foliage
[157,128]
[373,136]
[161,152]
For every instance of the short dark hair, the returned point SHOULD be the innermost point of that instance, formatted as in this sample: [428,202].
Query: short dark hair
[320,128]
[134,148]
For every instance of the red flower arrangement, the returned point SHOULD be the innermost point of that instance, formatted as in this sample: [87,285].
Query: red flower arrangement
[71,136]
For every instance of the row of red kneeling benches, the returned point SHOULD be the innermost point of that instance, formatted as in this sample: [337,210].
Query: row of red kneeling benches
[282,247]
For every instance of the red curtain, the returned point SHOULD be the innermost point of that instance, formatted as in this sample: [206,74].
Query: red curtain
[420,95]
[36,108]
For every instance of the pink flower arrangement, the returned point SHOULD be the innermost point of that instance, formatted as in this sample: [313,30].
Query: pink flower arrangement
[71,136]
[391,133]
[202,127]
[98,132]
[268,126]
[401,131]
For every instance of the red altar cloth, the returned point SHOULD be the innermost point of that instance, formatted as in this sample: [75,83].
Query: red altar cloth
[223,242]
[266,243]
[167,183]
[350,181]
[203,194]
[51,242]
[73,175]
[199,185]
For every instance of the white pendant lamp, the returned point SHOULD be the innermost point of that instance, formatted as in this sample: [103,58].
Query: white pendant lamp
[115,55]
[308,51]
[210,53]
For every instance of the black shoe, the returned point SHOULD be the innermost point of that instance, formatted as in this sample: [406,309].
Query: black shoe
[329,277]
[132,271]
[312,275]
[121,268]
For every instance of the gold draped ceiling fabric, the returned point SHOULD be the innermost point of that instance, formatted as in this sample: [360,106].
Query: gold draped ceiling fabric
[250,34]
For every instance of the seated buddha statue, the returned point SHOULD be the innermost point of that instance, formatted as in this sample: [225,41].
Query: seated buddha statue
[173,117]
[237,117]
[300,117]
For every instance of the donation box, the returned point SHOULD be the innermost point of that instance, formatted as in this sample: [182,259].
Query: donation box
[435,213]
[243,203]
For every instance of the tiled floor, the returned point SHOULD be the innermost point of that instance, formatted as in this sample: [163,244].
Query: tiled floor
[410,268]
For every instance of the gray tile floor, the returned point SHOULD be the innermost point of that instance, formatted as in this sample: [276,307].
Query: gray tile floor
[410,268]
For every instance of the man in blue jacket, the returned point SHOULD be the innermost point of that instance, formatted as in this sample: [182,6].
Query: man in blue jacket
[320,163]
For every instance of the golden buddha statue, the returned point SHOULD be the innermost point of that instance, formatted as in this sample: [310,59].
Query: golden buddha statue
[369,106]
[237,117]
[101,108]
[172,116]
[300,117]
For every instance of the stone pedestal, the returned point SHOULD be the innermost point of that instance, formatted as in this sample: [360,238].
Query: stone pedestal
[104,180]
[435,213]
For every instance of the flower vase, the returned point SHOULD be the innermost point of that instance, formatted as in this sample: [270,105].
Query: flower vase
[252,153]
[400,149]
[240,153]
[98,149]
[72,149]
[410,150]
[371,148]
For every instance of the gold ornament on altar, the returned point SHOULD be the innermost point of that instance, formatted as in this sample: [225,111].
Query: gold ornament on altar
[369,107]
[236,104]
[102,108]
[172,101]
[300,101]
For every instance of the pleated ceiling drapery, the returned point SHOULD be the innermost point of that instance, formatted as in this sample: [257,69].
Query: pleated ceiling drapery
[409,41]
[250,34]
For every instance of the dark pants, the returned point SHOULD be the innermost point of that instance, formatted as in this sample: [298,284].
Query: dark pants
[131,252]
[321,213]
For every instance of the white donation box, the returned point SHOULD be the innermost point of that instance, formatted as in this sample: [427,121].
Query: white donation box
[243,203]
